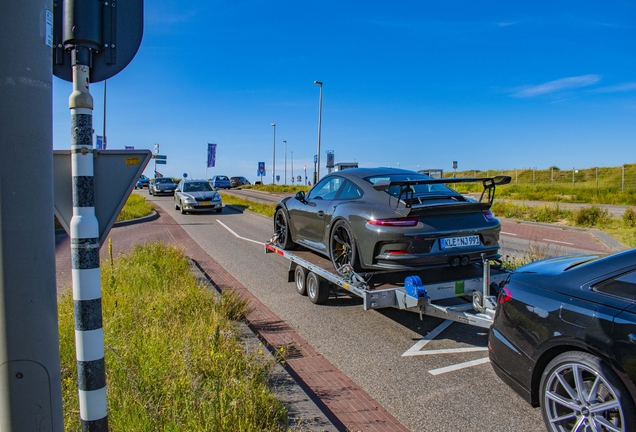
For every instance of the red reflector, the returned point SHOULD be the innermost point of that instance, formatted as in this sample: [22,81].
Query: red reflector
[398,252]
[403,222]
[489,216]
[504,296]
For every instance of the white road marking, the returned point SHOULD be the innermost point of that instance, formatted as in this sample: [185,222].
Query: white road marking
[415,349]
[238,236]
[507,233]
[447,351]
[459,366]
[556,241]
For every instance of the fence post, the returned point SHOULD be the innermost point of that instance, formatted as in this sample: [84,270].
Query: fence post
[623,179]
[532,177]
[572,176]
[552,176]
[516,177]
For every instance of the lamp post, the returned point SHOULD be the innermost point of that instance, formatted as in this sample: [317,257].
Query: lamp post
[292,166]
[305,168]
[285,142]
[317,175]
[274,158]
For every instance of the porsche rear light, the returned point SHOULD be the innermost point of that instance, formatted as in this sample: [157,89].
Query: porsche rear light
[489,216]
[504,296]
[402,222]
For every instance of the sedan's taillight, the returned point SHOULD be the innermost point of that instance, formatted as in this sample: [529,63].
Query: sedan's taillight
[402,222]
[489,216]
[504,296]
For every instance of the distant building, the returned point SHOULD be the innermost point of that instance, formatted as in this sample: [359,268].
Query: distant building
[345,165]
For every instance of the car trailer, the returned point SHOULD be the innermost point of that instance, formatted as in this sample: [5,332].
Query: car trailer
[469,288]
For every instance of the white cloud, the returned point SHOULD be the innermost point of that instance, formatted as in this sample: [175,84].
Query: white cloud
[558,85]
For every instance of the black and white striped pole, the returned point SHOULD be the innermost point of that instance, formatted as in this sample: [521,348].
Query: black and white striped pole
[87,297]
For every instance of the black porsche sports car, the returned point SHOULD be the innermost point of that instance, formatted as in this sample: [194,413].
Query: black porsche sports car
[386,218]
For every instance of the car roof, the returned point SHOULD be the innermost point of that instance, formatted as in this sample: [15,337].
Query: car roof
[369,172]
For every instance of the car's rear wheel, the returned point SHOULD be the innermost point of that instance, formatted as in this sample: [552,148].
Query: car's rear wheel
[580,392]
[342,248]
[317,288]
[300,277]
[282,236]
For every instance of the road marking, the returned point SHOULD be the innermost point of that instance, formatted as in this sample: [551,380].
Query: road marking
[238,236]
[507,233]
[446,351]
[556,241]
[415,349]
[459,366]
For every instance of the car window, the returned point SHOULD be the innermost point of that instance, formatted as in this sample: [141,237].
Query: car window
[163,180]
[419,189]
[349,191]
[197,187]
[326,189]
[622,286]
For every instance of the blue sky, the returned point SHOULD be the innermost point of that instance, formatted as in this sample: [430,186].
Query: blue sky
[492,85]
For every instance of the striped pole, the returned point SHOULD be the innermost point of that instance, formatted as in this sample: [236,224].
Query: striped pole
[87,300]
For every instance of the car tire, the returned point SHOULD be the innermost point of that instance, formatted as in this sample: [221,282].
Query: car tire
[281,231]
[176,206]
[317,288]
[149,191]
[342,247]
[581,369]
[219,210]
[181,208]
[300,278]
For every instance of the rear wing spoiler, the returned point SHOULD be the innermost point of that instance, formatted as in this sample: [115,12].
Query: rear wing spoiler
[489,183]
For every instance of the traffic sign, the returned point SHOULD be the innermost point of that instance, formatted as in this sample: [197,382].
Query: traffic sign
[160,162]
[261,168]
[115,174]
[161,157]
[110,30]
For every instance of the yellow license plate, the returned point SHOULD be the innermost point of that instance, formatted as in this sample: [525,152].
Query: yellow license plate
[205,203]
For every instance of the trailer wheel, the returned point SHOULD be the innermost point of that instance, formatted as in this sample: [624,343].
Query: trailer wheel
[317,288]
[300,277]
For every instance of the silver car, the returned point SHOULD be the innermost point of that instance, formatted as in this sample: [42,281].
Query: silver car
[197,196]
[162,186]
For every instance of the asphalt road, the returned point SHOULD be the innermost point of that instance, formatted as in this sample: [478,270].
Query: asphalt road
[370,346]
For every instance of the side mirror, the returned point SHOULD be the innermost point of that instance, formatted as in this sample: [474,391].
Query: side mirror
[300,196]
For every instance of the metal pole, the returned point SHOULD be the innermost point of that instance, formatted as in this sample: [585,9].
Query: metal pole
[30,383]
[572,176]
[285,142]
[87,297]
[292,167]
[155,158]
[274,158]
[104,125]
[305,167]
[317,170]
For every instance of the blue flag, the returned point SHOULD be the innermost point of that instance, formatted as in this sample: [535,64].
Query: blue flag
[211,155]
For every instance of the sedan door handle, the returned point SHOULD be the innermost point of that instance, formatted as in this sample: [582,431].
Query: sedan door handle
[632,338]
[321,213]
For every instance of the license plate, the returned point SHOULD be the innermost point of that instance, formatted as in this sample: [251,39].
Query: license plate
[205,203]
[455,242]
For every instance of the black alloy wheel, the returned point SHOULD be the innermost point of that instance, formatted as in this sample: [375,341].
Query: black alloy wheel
[580,392]
[342,248]
[281,231]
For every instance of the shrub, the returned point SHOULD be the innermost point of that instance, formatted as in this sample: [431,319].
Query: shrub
[591,216]
[629,217]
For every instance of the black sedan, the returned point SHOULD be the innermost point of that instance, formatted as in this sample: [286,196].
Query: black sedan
[564,338]
[162,186]
[386,218]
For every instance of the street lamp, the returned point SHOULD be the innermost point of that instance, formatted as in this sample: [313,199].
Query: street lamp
[292,166]
[274,158]
[285,142]
[319,124]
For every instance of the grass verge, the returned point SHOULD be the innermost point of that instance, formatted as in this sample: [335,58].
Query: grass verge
[174,359]
[136,206]
[264,209]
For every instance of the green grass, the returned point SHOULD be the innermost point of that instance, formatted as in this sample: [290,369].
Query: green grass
[174,359]
[136,206]
[264,209]
[278,188]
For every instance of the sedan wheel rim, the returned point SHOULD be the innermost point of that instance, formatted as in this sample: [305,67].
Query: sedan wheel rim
[281,229]
[578,398]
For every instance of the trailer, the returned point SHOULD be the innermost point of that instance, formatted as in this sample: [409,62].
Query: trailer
[464,294]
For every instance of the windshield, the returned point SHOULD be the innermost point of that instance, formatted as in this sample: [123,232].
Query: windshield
[197,187]
[418,189]
[163,180]
[221,178]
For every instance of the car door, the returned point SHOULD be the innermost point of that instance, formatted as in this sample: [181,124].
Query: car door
[310,216]
[624,330]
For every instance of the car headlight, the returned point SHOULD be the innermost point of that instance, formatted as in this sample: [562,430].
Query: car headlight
[189,200]
[216,197]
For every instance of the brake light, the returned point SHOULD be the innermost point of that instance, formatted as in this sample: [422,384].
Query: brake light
[504,296]
[402,222]
[489,216]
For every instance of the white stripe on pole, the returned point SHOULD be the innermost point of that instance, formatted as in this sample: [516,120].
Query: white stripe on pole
[93,404]
[89,344]
[91,284]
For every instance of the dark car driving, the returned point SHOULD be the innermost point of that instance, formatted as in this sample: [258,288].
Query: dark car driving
[162,186]
[386,218]
[238,181]
[564,338]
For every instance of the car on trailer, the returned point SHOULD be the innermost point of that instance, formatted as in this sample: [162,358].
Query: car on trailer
[564,338]
[390,219]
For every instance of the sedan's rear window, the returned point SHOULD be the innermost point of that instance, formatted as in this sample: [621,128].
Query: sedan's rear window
[418,189]
[623,286]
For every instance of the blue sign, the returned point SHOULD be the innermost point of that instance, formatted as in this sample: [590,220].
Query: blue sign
[99,145]
[315,159]
[330,160]
[162,157]
[211,155]
[160,161]
[129,147]
[261,173]
[278,178]
[261,167]
[185,175]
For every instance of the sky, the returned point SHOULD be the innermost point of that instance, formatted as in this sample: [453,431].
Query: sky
[410,84]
